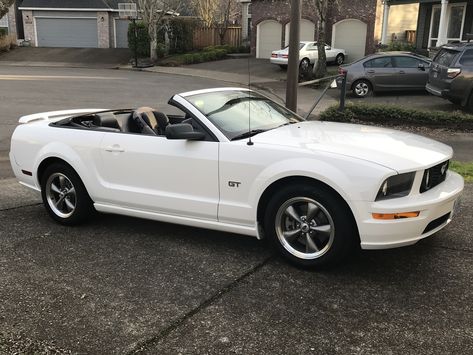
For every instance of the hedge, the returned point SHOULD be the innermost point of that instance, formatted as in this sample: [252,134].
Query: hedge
[395,116]
[142,41]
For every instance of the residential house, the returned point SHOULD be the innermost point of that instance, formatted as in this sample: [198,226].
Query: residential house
[74,23]
[8,22]
[349,26]
[401,25]
[439,21]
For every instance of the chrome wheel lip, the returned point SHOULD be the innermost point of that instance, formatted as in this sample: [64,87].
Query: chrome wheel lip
[362,89]
[61,195]
[287,245]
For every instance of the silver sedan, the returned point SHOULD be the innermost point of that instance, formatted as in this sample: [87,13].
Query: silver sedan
[387,71]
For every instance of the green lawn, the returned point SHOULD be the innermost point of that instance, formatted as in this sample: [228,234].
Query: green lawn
[464,169]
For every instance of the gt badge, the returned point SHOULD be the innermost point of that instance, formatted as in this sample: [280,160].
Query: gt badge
[234,184]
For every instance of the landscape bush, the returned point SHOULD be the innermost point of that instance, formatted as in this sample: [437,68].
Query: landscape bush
[398,116]
[181,35]
[397,46]
[7,42]
[142,39]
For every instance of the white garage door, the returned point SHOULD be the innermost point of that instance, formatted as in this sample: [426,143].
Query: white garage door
[307,31]
[121,33]
[350,35]
[67,32]
[268,38]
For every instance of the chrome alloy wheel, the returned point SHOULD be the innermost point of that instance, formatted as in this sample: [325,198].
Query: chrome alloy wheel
[61,195]
[304,228]
[362,89]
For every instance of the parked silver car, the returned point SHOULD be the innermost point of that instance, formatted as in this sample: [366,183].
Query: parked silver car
[386,71]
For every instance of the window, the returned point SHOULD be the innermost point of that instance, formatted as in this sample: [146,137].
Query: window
[408,62]
[249,9]
[455,23]
[4,21]
[383,62]
[467,58]
[445,57]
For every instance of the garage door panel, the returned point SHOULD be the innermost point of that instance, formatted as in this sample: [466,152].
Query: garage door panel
[350,35]
[121,33]
[268,38]
[307,31]
[67,32]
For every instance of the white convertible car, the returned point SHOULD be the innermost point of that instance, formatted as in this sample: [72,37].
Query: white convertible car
[235,161]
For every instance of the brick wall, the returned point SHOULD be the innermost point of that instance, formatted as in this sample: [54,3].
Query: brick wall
[12,21]
[103,28]
[279,10]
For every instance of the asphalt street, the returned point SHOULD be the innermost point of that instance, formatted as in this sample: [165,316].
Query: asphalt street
[124,285]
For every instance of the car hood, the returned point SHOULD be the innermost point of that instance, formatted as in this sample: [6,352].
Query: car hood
[394,149]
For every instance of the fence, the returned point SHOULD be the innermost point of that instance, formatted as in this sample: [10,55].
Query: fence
[204,37]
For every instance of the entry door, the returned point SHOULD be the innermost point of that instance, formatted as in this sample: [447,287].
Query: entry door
[177,177]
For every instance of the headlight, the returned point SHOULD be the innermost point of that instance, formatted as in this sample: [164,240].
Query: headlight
[396,186]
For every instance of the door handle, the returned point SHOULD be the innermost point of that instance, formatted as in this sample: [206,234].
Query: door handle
[371,72]
[402,72]
[114,149]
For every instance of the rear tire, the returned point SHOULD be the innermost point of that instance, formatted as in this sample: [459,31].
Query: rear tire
[64,195]
[340,59]
[362,88]
[310,226]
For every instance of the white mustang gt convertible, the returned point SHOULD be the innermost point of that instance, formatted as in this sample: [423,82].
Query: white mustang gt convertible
[235,161]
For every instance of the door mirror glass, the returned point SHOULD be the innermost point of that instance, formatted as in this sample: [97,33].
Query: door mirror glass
[183,131]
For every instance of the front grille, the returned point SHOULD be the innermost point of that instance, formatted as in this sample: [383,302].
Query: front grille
[434,176]
[436,223]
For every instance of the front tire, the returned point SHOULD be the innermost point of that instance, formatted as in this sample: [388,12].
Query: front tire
[310,226]
[64,195]
[304,65]
[340,59]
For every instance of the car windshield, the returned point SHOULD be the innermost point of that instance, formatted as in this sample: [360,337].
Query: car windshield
[240,114]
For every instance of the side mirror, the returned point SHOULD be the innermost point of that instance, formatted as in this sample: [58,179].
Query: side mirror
[421,67]
[183,131]
[327,48]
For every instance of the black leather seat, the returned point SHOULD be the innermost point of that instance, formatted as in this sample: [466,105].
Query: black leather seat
[150,121]
[106,120]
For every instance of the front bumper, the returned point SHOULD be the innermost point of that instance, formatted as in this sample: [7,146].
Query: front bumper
[436,208]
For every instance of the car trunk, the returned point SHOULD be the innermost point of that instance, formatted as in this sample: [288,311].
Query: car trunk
[438,74]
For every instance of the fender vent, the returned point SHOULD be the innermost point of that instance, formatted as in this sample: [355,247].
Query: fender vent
[436,223]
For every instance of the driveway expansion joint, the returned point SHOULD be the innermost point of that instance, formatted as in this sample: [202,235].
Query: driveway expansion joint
[18,207]
[146,345]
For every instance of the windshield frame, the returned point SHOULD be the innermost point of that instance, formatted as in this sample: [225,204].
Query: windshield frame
[255,94]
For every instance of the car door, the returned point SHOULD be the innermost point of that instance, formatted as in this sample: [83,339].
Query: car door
[410,75]
[310,51]
[330,53]
[153,173]
[381,72]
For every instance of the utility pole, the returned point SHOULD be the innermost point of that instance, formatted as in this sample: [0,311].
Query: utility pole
[293,61]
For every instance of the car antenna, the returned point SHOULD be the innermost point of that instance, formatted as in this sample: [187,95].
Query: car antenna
[250,142]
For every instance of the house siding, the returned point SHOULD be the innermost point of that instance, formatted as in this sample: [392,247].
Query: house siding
[349,9]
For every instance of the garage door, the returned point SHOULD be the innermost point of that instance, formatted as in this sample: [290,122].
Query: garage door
[67,32]
[350,35]
[307,31]
[121,28]
[268,38]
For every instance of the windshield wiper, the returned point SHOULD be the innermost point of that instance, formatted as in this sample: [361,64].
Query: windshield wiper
[248,134]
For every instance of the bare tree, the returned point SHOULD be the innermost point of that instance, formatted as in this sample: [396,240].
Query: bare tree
[4,5]
[153,13]
[321,8]
[217,14]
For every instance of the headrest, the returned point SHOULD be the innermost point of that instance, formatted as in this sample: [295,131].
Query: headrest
[106,119]
[147,115]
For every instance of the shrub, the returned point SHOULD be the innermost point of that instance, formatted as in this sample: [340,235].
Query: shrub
[395,116]
[160,50]
[398,46]
[7,42]
[142,39]
[181,35]
[3,32]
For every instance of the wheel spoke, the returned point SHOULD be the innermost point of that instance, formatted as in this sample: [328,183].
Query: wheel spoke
[71,191]
[312,210]
[69,204]
[325,229]
[291,235]
[310,245]
[62,181]
[59,201]
[55,189]
[291,211]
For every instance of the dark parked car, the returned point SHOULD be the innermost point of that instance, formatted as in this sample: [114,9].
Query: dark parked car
[451,74]
[386,71]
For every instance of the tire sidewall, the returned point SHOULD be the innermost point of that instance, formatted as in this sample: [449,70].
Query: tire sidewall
[84,205]
[345,227]
[340,56]
[370,88]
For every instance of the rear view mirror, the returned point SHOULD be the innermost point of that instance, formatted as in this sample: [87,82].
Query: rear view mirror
[183,131]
